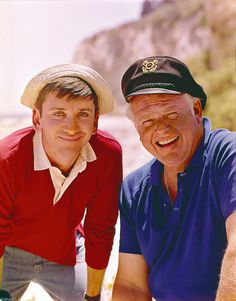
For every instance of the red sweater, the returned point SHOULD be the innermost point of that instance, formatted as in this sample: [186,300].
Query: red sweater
[28,219]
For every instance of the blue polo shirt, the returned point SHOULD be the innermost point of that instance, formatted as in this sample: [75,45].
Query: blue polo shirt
[183,245]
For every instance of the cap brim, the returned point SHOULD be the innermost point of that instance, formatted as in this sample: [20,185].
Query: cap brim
[153,91]
[99,85]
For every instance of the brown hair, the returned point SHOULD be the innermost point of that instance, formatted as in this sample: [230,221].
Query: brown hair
[67,86]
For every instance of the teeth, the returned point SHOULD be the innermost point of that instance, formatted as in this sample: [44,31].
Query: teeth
[163,142]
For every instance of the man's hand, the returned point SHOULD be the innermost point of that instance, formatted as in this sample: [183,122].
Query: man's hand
[131,282]
[227,284]
[94,283]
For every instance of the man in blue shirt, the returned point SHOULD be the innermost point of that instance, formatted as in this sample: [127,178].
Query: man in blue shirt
[177,212]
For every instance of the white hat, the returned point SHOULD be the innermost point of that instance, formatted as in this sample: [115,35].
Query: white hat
[90,76]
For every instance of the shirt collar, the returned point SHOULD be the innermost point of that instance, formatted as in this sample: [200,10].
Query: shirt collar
[41,161]
[200,152]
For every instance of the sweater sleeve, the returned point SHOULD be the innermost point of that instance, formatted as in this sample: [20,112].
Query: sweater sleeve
[102,211]
[6,203]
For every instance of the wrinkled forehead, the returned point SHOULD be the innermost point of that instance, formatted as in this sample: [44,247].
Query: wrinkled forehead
[146,102]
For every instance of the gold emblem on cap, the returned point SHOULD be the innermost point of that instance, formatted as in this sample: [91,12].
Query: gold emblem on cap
[149,66]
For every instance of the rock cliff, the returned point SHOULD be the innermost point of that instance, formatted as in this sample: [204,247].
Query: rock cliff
[201,33]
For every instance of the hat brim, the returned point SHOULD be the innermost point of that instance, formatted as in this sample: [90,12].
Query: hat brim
[90,76]
[152,91]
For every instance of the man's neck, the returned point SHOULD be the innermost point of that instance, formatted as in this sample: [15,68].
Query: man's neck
[64,167]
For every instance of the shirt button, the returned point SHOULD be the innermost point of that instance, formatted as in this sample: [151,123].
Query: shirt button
[176,209]
[164,205]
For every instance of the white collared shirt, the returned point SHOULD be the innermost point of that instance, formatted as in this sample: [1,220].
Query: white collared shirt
[60,182]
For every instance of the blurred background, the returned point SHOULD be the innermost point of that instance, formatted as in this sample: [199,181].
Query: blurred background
[109,35]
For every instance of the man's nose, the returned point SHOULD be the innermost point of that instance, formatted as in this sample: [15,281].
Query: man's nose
[161,127]
[72,125]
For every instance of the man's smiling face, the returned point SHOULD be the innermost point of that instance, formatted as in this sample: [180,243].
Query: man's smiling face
[169,126]
[66,127]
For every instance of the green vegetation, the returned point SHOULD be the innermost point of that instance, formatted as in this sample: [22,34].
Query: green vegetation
[220,86]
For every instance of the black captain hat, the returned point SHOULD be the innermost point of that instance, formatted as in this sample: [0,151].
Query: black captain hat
[160,74]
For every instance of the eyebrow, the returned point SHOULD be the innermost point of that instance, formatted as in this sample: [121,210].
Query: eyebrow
[90,110]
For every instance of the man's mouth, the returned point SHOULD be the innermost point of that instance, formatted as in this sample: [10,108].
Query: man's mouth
[167,142]
[71,138]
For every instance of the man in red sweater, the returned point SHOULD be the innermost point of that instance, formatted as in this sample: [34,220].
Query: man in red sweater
[53,175]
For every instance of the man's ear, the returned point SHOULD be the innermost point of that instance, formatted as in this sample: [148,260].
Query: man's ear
[95,124]
[197,107]
[36,119]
